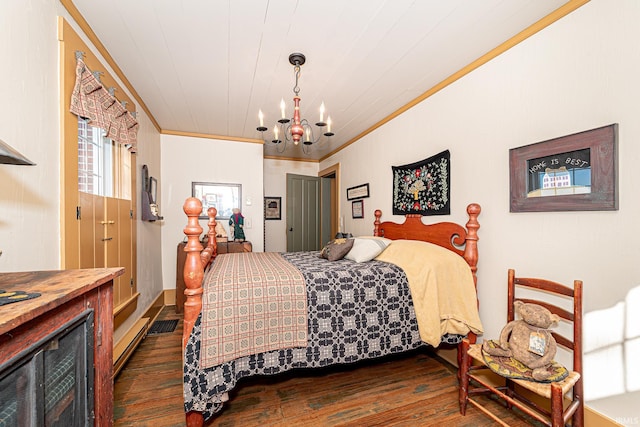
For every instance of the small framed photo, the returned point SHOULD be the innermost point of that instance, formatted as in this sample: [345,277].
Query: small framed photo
[272,208]
[358,192]
[357,209]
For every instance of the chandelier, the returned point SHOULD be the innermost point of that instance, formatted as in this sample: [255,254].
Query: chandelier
[296,129]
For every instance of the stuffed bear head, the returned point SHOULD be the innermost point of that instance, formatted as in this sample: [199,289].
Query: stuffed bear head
[536,315]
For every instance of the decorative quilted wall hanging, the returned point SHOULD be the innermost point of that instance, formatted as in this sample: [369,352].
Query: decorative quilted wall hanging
[423,187]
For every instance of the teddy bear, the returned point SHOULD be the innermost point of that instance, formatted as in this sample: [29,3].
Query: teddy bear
[528,340]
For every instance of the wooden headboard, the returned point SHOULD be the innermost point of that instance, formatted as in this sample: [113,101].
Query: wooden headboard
[449,235]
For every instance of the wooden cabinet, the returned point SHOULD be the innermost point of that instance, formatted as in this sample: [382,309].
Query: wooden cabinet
[56,361]
[223,248]
[234,247]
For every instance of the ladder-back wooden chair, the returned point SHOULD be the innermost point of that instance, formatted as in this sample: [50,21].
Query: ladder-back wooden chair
[564,406]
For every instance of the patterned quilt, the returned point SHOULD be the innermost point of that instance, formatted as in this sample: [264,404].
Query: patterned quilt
[253,302]
[356,311]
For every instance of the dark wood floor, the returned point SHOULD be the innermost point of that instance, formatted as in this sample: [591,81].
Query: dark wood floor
[416,389]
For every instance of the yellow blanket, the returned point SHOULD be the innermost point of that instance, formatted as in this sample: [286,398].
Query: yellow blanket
[442,289]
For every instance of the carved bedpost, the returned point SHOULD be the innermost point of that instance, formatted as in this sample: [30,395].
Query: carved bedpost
[193,275]
[193,268]
[471,255]
[471,245]
[213,242]
[211,251]
[376,223]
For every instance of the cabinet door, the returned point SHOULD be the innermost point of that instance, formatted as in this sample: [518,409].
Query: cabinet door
[51,384]
[111,242]
[87,230]
[124,222]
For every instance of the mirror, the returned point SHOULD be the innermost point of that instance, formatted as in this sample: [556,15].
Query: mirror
[224,197]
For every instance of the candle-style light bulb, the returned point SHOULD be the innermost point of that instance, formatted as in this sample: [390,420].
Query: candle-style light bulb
[308,134]
[282,105]
[275,132]
[322,112]
[261,116]
[328,133]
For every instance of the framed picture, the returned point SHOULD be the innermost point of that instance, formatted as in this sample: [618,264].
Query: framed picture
[272,207]
[577,172]
[358,192]
[357,209]
[423,187]
[223,197]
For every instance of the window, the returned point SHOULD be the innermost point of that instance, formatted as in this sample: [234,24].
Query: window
[95,160]
[104,167]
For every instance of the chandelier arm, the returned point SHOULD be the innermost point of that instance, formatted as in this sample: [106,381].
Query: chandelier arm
[286,131]
[283,144]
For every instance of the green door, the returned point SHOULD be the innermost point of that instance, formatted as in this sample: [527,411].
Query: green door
[303,213]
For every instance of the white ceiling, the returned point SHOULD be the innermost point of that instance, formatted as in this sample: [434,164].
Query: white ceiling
[208,66]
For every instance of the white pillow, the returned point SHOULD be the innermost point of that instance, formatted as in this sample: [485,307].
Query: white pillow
[367,248]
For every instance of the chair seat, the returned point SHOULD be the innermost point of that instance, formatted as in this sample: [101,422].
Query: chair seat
[541,389]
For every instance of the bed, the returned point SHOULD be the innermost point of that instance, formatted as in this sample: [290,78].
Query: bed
[353,310]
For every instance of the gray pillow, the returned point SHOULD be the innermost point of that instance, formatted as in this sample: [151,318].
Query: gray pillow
[336,249]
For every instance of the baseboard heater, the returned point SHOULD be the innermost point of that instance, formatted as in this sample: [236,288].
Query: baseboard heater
[124,349]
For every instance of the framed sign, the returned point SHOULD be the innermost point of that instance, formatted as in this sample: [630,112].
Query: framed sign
[272,207]
[223,197]
[357,209]
[577,172]
[358,192]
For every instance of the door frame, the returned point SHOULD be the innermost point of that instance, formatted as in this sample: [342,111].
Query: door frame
[333,172]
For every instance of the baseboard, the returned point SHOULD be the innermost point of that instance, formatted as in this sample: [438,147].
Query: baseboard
[450,355]
[123,311]
[169,296]
[155,308]
[592,418]
[124,348]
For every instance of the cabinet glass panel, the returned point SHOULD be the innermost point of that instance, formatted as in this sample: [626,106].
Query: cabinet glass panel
[48,384]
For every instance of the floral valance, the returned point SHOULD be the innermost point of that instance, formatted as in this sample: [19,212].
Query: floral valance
[91,100]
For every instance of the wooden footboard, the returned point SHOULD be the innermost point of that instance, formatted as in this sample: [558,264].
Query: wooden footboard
[459,239]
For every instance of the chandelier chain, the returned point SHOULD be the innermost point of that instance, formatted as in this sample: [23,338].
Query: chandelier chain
[296,89]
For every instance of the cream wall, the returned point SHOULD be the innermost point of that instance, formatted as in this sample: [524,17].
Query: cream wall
[30,122]
[188,159]
[275,185]
[30,195]
[580,73]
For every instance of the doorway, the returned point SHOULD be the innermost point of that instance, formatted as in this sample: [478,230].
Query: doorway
[313,209]
[330,203]
[303,213]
